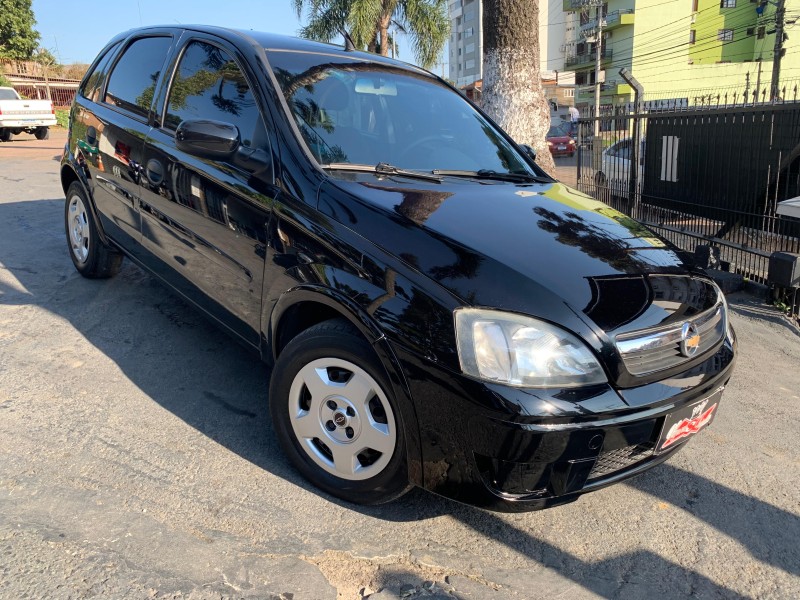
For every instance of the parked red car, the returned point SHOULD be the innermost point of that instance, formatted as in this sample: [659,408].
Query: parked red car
[560,142]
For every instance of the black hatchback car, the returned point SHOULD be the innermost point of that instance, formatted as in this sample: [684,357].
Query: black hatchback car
[439,311]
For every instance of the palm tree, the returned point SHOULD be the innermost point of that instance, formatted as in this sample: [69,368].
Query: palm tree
[512,88]
[368,22]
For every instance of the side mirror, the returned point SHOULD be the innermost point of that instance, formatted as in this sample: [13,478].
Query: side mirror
[207,139]
[530,152]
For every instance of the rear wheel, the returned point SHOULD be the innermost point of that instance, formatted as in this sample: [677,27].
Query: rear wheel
[91,257]
[42,133]
[336,419]
[5,135]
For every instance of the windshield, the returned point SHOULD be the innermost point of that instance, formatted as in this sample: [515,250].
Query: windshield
[360,112]
[558,131]
[7,94]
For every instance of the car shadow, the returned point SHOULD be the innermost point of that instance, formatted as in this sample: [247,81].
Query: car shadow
[189,367]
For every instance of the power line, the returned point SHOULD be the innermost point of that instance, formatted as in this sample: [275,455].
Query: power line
[745,23]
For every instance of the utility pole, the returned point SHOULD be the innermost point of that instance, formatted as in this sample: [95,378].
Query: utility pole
[758,82]
[598,57]
[780,14]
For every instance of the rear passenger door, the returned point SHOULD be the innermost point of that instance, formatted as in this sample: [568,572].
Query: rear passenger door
[204,221]
[114,128]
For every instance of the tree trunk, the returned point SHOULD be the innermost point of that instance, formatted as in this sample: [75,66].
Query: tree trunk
[512,85]
[383,29]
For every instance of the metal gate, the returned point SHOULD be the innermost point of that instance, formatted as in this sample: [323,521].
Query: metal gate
[702,175]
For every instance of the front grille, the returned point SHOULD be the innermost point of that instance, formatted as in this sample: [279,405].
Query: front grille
[621,458]
[651,350]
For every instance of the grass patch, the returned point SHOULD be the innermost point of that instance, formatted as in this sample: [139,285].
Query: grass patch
[62,116]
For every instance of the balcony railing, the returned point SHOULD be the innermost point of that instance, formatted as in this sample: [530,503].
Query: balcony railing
[610,21]
[587,59]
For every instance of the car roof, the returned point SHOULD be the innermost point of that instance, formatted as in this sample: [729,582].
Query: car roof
[274,41]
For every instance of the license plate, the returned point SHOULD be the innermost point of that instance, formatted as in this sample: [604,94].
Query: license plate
[562,147]
[686,422]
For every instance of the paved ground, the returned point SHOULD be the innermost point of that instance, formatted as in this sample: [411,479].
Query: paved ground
[137,461]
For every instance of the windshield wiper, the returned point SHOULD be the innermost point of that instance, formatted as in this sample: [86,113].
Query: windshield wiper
[381,169]
[496,175]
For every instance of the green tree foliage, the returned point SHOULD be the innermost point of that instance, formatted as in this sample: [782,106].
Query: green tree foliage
[18,39]
[369,22]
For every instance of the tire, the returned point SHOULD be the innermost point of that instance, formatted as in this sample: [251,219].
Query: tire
[42,133]
[341,430]
[5,135]
[599,179]
[602,191]
[91,257]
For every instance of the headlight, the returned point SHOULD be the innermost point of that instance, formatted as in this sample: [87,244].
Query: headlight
[522,351]
[729,334]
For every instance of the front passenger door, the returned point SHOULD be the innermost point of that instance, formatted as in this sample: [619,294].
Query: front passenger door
[204,221]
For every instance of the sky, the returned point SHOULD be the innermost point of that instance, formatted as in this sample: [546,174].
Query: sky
[75,35]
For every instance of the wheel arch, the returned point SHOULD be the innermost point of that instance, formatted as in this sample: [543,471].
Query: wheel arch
[304,306]
[70,175]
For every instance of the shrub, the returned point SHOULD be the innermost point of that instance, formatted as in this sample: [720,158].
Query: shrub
[62,116]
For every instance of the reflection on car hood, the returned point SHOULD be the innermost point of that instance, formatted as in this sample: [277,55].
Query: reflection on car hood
[515,247]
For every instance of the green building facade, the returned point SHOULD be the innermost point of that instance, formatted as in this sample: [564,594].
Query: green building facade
[680,49]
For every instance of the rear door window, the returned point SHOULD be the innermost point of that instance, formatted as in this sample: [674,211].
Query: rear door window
[133,80]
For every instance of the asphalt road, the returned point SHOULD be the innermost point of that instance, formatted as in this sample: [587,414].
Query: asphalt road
[137,461]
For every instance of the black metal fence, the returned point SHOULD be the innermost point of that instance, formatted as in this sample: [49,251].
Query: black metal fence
[703,170]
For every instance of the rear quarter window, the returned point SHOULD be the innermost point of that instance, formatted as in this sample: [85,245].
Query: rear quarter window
[133,79]
[93,84]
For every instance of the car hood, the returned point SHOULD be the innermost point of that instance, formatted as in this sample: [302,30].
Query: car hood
[522,247]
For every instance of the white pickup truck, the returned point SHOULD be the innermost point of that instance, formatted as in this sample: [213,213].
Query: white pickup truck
[18,115]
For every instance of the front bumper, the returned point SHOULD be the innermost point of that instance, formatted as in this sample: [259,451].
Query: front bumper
[568,151]
[517,450]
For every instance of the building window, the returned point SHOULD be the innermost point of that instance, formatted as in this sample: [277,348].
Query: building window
[725,35]
[727,4]
[470,48]
[468,32]
[761,33]
[692,36]
[470,64]
[569,93]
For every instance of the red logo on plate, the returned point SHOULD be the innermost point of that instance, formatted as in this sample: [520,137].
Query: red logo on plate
[686,427]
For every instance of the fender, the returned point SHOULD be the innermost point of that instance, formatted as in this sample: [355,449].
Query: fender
[371,330]
[70,171]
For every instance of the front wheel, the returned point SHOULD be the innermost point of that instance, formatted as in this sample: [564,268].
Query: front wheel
[91,257]
[335,416]
[42,133]
[5,135]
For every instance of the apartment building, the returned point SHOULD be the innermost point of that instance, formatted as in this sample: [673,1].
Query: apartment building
[677,47]
[465,50]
